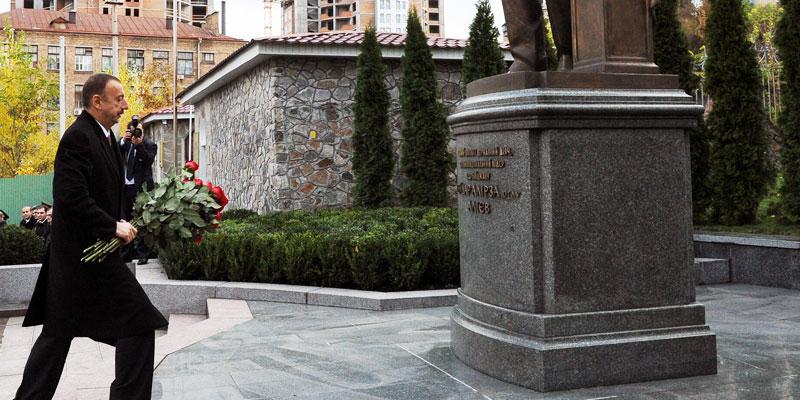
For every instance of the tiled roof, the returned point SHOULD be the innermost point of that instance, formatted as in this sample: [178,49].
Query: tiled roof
[41,21]
[182,109]
[356,37]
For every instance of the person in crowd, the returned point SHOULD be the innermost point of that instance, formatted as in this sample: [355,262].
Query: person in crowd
[49,215]
[42,227]
[139,154]
[3,218]
[100,300]
[28,222]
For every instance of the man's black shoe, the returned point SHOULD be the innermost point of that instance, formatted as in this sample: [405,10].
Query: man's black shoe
[142,261]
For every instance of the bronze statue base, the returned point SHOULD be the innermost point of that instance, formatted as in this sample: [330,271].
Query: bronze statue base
[569,80]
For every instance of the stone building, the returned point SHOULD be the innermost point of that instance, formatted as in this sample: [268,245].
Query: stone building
[88,45]
[275,120]
[195,12]
[157,126]
[311,16]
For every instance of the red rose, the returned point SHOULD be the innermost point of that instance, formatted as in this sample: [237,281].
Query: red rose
[210,186]
[198,182]
[184,180]
[198,239]
[191,166]
[219,216]
[219,195]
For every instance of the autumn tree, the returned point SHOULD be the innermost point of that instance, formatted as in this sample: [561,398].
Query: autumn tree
[25,91]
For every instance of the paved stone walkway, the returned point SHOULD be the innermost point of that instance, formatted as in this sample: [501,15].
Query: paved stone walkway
[307,352]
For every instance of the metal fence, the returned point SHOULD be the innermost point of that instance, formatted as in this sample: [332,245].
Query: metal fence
[24,190]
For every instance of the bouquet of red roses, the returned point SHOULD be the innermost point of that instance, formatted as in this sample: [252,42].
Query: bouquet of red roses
[180,207]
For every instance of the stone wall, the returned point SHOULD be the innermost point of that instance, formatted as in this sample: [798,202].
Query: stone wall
[280,136]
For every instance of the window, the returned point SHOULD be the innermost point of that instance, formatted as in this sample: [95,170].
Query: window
[83,59]
[160,56]
[136,60]
[398,19]
[135,12]
[127,12]
[185,61]
[105,10]
[78,94]
[33,52]
[107,61]
[208,58]
[53,58]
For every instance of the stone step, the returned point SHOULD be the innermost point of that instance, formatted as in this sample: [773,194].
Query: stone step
[9,310]
[709,271]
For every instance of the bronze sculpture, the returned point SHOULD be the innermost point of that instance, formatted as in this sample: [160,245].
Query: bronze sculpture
[525,27]
[526,34]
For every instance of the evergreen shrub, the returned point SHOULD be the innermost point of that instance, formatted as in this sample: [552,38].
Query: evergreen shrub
[787,39]
[20,246]
[388,249]
[237,214]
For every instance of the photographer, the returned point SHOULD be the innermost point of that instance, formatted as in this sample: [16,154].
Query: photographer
[138,153]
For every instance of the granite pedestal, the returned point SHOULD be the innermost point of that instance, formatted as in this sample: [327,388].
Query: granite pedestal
[575,235]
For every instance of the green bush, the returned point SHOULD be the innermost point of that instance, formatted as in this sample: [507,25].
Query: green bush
[384,249]
[238,213]
[20,246]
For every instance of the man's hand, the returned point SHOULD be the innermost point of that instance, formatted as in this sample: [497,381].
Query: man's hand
[137,140]
[125,231]
[128,135]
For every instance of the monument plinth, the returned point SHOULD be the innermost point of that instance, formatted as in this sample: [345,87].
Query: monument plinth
[575,233]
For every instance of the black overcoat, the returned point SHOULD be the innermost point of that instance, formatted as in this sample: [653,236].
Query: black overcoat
[103,300]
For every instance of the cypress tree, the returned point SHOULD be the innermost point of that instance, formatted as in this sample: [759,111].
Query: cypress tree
[483,56]
[672,56]
[787,40]
[373,158]
[740,169]
[423,156]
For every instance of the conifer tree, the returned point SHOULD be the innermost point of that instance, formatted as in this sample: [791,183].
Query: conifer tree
[787,40]
[424,159]
[373,157]
[482,56]
[672,56]
[740,170]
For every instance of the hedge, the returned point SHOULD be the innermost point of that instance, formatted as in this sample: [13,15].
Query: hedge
[388,249]
[20,246]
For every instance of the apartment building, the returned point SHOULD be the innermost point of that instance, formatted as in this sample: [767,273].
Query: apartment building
[309,16]
[195,12]
[142,41]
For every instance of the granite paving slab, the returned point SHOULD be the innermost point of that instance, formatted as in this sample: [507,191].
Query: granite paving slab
[296,351]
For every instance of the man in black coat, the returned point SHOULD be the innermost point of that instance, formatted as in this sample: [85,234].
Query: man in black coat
[27,222]
[139,154]
[99,300]
[41,226]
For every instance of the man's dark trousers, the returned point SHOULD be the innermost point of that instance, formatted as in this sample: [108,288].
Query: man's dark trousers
[133,368]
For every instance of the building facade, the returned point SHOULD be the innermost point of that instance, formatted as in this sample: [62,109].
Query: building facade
[275,121]
[88,46]
[195,12]
[312,16]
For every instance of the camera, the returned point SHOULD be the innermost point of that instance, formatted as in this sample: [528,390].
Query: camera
[133,126]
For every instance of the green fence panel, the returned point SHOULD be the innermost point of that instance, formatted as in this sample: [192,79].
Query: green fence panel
[24,190]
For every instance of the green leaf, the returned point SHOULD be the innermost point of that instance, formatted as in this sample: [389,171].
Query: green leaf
[185,233]
[172,204]
[159,191]
[193,217]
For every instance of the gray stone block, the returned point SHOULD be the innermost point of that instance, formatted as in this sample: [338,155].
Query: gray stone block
[180,298]
[711,271]
[359,299]
[17,282]
[754,261]
[575,238]
[264,292]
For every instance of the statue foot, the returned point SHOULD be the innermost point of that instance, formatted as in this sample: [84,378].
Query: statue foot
[521,66]
[565,63]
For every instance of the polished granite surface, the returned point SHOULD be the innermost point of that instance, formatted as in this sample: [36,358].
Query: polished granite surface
[306,352]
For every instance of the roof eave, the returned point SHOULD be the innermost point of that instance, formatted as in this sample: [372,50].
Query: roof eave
[255,52]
